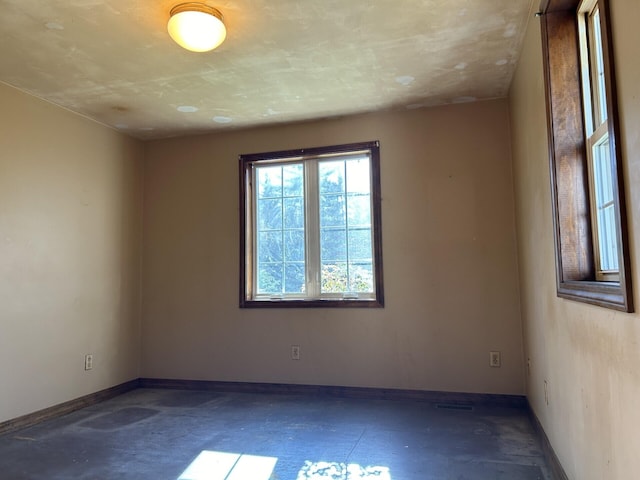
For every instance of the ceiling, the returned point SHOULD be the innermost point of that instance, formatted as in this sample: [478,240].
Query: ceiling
[282,61]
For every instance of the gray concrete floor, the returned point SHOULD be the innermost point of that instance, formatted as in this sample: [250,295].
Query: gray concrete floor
[194,435]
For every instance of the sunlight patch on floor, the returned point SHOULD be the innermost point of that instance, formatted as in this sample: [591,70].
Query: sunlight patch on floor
[229,466]
[342,471]
[210,465]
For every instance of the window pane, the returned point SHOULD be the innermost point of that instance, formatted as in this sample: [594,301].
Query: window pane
[269,182]
[359,210]
[602,172]
[294,245]
[294,278]
[280,229]
[293,180]
[599,68]
[270,214]
[331,176]
[294,212]
[270,278]
[361,277]
[358,176]
[605,206]
[270,247]
[334,277]
[333,245]
[607,242]
[360,244]
[332,210]
[345,246]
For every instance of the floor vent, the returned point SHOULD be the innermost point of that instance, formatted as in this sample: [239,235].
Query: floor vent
[454,406]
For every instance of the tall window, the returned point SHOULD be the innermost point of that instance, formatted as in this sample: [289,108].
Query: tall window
[587,182]
[311,227]
[601,175]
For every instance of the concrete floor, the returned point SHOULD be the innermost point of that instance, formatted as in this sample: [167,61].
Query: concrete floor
[194,435]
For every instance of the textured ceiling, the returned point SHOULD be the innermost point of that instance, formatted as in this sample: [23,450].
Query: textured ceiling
[282,61]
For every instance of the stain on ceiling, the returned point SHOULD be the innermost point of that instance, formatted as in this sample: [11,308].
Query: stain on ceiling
[282,61]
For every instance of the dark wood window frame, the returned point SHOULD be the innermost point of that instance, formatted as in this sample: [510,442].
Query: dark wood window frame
[575,265]
[246,248]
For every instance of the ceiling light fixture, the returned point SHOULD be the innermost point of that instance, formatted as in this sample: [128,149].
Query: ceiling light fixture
[196,27]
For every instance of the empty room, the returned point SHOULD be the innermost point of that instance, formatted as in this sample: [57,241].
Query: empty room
[344,240]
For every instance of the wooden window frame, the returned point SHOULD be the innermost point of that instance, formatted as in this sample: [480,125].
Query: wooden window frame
[575,261]
[246,286]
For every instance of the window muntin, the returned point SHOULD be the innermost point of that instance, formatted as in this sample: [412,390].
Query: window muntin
[601,178]
[311,227]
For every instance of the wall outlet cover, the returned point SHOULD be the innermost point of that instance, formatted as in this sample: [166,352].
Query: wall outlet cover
[295,352]
[88,362]
[494,359]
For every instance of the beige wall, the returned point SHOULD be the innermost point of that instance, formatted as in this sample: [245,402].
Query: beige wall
[70,236]
[451,280]
[590,356]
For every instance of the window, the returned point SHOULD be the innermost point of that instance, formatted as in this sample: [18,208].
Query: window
[603,206]
[592,259]
[310,228]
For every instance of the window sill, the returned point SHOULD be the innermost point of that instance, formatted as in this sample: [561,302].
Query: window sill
[603,294]
[329,303]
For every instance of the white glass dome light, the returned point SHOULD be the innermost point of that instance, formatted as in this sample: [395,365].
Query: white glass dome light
[196,27]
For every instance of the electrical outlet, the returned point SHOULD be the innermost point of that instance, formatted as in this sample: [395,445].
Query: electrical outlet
[494,359]
[295,352]
[546,392]
[88,362]
[528,367]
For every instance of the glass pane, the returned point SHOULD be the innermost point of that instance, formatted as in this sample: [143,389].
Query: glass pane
[332,211]
[334,277]
[270,247]
[270,214]
[294,212]
[359,210]
[361,277]
[342,249]
[599,68]
[607,240]
[270,279]
[333,245]
[605,206]
[360,244]
[280,229]
[293,180]
[294,278]
[331,176]
[358,177]
[294,245]
[269,181]
[602,172]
